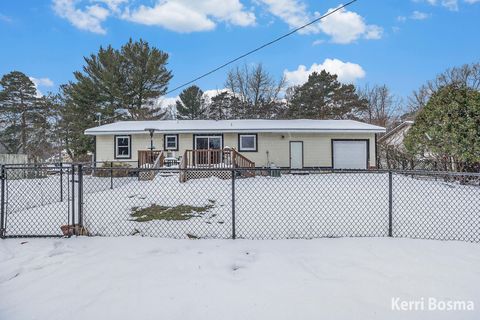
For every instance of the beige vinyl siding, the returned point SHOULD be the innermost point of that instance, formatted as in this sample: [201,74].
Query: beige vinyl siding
[317,150]
[105,145]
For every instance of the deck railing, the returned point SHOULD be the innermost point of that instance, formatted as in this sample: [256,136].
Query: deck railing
[152,159]
[215,158]
[149,158]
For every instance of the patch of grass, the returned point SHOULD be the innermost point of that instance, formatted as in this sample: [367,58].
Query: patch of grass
[157,212]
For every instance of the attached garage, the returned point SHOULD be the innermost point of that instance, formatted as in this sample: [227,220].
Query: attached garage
[350,154]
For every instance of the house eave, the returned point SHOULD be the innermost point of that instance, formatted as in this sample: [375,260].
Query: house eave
[250,130]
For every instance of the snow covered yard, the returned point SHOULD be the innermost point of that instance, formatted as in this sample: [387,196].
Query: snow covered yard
[151,278]
[293,206]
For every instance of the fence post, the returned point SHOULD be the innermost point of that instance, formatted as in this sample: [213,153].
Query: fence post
[390,204]
[61,181]
[80,196]
[73,196]
[111,175]
[234,234]
[2,202]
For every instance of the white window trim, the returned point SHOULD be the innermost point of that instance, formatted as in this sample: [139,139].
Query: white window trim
[122,156]
[241,148]
[166,142]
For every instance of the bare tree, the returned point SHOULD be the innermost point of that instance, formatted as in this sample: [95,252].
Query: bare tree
[467,75]
[256,89]
[382,106]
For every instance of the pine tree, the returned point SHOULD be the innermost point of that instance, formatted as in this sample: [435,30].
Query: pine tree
[40,142]
[17,111]
[79,111]
[220,106]
[191,105]
[146,78]
[324,97]
[127,80]
[114,85]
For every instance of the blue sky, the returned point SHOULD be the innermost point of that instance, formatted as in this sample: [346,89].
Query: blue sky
[401,43]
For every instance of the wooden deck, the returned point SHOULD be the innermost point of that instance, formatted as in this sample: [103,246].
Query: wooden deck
[214,159]
[197,159]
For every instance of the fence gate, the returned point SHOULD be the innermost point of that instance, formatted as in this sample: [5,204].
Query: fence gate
[36,201]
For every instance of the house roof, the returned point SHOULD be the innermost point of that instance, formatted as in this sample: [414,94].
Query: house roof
[395,130]
[220,126]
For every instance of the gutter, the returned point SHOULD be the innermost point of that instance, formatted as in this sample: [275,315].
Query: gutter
[95,133]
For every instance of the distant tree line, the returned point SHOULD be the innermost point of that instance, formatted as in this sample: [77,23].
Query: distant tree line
[128,83]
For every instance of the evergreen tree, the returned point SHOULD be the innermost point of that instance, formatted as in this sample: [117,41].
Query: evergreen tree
[146,78]
[79,111]
[448,128]
[191,105]
[114,85]
[41,139]
[127,81]
[220,107]
[104,70]
[17,111]
[324,97]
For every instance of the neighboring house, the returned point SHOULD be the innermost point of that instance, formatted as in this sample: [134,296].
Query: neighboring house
[6,158]
[13,158]
[296,144]
[396,136]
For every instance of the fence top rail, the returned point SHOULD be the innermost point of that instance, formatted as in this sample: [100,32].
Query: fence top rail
[437,173]
[91,166]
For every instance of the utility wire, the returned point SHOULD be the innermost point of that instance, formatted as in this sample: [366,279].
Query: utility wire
[262,46]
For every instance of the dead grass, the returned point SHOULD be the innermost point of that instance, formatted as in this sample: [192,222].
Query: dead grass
[177,213]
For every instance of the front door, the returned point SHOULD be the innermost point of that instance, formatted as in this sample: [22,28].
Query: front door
[296,155]
[211,149]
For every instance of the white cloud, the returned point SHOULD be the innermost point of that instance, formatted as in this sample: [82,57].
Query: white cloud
[41,82]
[175,15]
[347,72]
[191,16]
[113,5]
[318,42]
[347,26]
[343,26]
[166,102]
[452,5]
[89,18]
[449,4]
[292,12]
[417,15]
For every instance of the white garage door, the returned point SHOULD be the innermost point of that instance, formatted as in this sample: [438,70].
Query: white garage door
[350,154]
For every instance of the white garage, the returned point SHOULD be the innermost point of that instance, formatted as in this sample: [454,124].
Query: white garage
[350,154]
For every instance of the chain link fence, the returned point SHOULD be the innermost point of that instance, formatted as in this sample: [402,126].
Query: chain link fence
[91,200]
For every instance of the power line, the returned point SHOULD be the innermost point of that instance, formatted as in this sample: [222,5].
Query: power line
[262,46]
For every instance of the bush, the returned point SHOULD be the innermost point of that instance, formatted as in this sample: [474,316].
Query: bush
[115,169]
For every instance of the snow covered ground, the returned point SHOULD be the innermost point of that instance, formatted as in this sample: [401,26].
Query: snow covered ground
[293,206]
[151,278]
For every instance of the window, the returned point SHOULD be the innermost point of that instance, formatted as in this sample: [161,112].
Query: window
[170,142]
[122,147]
[247,142]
